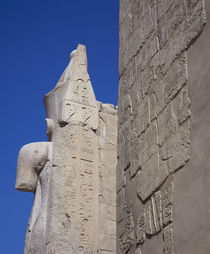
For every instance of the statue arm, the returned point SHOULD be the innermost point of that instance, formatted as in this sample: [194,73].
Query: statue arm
[31,160]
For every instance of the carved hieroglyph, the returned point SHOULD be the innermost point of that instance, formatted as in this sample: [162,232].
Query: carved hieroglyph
[73,217]
[154,115]
[64,172]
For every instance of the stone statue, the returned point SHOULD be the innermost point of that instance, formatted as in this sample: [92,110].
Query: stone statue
[64,172]
[33,175]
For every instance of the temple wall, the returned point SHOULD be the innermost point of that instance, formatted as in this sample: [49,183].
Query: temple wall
[192,185]
[162,172]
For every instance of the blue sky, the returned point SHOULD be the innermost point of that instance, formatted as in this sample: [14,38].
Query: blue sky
[36,40]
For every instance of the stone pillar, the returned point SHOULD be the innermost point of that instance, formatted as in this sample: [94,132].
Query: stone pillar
[162,128]
[66,173]
[107,178]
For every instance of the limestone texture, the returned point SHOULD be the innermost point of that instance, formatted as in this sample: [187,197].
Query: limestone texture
[155,121]
[73,175]
[136,178]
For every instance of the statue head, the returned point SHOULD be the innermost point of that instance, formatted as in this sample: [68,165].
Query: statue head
[72,100]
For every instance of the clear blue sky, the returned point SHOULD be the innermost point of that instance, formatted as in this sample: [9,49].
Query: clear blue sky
[36,40]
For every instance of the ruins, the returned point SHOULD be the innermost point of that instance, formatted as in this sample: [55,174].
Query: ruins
[73,174]
[134,179]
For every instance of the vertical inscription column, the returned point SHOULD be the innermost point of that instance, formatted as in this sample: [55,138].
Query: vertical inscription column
[74,192]
[87,214]
[73,208]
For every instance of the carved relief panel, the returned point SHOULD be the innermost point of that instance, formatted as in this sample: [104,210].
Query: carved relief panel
[154,127]
[78,160]
[79,104]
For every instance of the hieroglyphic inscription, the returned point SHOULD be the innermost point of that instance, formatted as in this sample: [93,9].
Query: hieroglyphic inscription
[75,112]
[154,117]
[79,162]
[153,88]
[86,204]
[127,234]
[156,214]
[71,194]
[156,217]
[85,99]
[76,88]
[70,111]
[88,192]
[78,104]
[167,202]
[168,242]
[87,145]
[72,119]
[140,229]
[80,92]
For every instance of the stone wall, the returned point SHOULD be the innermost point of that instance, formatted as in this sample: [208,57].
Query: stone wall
[159,117]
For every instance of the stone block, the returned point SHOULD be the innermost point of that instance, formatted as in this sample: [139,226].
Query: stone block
[175,78]
[149,50]
[162,31]
[141,120]
[167,204]
[127,237]
[150,142]
[136,160]
[181,106]
[167,124]
[127,151]
[153,174]
[160,139]
[158,102]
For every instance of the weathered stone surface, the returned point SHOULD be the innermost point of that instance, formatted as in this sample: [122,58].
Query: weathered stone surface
[74,192]
[31,160]
[126,232]
[73,95]
[168,242]
[107,133]
[74,175]
[155,118]
[192,184]
[33,174]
